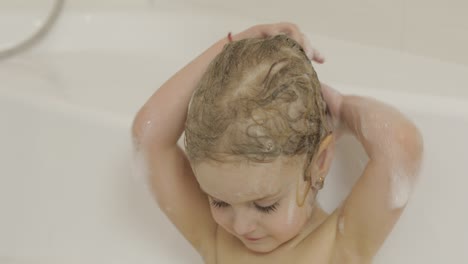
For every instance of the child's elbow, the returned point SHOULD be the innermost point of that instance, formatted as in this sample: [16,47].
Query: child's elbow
[139,126]
[410,143]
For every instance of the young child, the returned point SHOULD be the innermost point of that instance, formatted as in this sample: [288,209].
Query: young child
[259,143]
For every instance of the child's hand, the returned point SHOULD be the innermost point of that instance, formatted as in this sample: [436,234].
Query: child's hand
[290,29]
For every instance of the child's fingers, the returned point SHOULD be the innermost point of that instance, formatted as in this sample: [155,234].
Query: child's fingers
[312,52]
[317,56]
[291,30]
[294,32]
[308,49]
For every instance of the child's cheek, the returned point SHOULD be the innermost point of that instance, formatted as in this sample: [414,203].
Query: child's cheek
[221,217]
[286,224]
[287,220]
[292,213]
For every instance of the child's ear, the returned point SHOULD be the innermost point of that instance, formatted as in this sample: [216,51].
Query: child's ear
[323,157]
[317,170]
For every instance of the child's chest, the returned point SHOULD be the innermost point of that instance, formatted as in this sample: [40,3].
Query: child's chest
[316,250]
[297,257]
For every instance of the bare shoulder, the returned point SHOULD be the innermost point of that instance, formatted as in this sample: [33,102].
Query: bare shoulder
[325,244]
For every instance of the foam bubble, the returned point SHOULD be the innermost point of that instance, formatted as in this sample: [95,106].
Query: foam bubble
[341,225]
[401,188]
[140,170]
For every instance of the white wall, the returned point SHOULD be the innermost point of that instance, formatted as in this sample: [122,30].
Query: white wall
[433,28]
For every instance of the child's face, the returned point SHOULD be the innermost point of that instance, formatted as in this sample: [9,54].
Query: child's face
[255,202]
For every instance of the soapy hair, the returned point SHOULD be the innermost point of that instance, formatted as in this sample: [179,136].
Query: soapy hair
[258,99]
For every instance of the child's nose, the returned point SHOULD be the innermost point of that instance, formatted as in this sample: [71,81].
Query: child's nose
[244,223]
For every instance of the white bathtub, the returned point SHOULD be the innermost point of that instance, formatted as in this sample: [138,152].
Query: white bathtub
[67,194]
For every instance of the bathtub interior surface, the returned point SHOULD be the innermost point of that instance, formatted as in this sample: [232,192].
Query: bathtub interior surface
[66,188]
[67,192]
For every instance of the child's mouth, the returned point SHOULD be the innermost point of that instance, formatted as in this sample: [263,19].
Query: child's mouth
[252,239]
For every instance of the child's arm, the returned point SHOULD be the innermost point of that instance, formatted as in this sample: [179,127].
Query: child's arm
[394,146]
[158,126]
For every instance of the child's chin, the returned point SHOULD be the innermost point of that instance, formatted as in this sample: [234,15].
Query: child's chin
[262,248]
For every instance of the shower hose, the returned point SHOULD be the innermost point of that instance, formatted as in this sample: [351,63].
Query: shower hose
[36,35]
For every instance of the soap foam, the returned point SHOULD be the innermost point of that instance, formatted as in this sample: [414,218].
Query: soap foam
[401,188]
[140,170]
[341,225]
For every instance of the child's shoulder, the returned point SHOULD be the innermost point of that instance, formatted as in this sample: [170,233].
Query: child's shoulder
[326,243]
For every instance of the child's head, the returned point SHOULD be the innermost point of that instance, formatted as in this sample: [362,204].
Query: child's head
[258,138]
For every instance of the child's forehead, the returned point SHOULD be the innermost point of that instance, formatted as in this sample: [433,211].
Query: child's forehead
[236,169]
[236,192]
[249,194]
[245,181]
[235,161]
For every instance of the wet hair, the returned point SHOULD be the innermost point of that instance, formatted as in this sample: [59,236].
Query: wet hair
[259,99]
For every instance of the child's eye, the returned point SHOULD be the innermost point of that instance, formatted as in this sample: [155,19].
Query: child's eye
[267,209]
[263,209]
[219,204]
